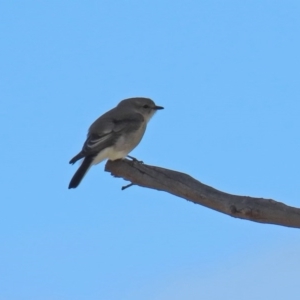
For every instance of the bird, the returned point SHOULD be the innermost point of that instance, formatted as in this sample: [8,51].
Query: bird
[114,134]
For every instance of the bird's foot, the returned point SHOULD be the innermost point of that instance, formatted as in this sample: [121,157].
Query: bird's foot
[135,160]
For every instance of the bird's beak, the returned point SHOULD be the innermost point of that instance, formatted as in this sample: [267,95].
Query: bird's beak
[157,107]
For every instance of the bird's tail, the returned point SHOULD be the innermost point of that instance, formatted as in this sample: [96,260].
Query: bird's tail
[76,179]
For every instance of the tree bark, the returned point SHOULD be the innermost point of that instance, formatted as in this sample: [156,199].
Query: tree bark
[184,186]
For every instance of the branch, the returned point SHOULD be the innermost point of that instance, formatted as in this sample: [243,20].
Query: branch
[184,186]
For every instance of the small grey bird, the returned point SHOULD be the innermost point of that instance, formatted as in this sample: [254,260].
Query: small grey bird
[114,134]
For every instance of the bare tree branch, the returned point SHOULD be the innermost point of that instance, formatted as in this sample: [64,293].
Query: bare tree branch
[182,185]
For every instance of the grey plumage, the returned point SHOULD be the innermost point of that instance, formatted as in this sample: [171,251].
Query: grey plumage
[114,134]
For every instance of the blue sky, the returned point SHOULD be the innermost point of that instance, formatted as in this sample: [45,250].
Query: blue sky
[227,73]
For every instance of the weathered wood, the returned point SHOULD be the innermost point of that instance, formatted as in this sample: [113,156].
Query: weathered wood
[184,186]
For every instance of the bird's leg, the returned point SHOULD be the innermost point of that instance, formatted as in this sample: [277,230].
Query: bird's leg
[135,160]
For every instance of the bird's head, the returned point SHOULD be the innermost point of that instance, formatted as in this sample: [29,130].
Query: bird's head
[144,106]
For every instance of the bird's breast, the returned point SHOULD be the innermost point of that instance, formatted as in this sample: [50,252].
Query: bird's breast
[129,140]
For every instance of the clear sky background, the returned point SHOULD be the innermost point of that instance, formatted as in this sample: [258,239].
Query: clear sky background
[228,75]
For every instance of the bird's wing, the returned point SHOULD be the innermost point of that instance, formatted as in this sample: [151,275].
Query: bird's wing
[105,131]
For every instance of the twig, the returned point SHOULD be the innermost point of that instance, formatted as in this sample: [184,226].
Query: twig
[182,185]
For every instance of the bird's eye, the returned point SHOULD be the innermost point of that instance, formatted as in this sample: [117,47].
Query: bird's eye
[146,106]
